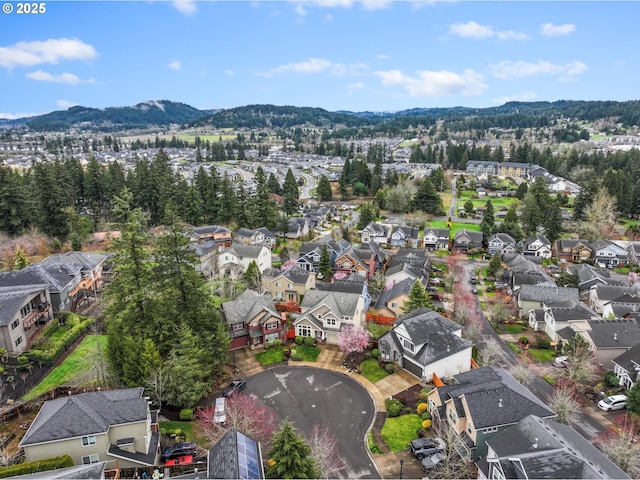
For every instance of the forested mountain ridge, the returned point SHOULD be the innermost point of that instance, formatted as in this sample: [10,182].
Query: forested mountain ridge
[165,112]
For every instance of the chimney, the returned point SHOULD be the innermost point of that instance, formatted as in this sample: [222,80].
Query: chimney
[500,403]
[615,336]
[535,443]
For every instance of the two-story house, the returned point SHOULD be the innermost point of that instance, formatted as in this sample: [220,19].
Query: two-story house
[325,313]
[531,297]
[206,254]
[235,456]
[405,236]
[600,295]
[360,261]
[436,238]
[219,234]
[501,243]
[572,250]
[537,246]
[379,233]
[109,425]
[236,259]
[425,343]
[544,448]
[626,367]
[393,297]
[605,253]
[289,285]
[92,264]
[352,284]
[552,320]
[253,320]
[259,236]
[25,311]
[465,240]
[479,404]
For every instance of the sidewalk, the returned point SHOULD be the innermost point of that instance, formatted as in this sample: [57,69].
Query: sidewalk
[331,358]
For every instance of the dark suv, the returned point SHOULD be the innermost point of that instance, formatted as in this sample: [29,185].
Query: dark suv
[179,450]
[424,447]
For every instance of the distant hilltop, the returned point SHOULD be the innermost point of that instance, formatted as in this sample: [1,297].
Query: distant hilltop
[161,113]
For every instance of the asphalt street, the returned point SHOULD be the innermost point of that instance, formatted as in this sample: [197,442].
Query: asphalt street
[310,396]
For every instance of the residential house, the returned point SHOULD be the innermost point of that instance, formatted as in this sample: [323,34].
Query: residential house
[379,233]
[633,251]
[325,314]
[311,252]
[206,254]
[253,320]
[297,227]
[605,253]
[401,272]
[358,260]
[534,277]
[436,238]
[221,235]
[236,259]
[622,306]
[536,245]
[501,243]
[589,276]
[235,456]
[481,169]
[544,448]
[465,240]
[379,254]
[25,311]
[426,344]
[289,285]
[109,425]
[64,280]
[415,257]
[259,236]
[393,298]
[405,236]
[479,404]
[530,297]
[572,250]
[352,284]
[553,319]
[92,265]
[626,366]
[600,295]
[95,471]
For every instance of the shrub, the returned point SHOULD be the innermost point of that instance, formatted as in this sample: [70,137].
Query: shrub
[309,341]
[22,359]
[375,353]
[421,408]
[48,357]
[295,357]
[389,367]
[425,416]
[367,355]
[53,463]
[426,424]
[523,340]
[299,339]
[186,414]
[293,352]
[543,343]
[276,344]
[407,410]
[424,393]
[394,410]
[610,380]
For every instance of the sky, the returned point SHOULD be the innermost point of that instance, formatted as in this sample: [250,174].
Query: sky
[356,55]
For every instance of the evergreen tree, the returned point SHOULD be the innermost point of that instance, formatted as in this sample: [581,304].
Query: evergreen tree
[367,215]
[418,297]
[495,265]
[553,222]
[252,276]
[21,260]
[289,455]
[522,190]
[427,200]
[273,185]
[531,215]
[324,189]
[290,193]
[438,180]
[264,209]
[325,267]
[488,222]
[12,202]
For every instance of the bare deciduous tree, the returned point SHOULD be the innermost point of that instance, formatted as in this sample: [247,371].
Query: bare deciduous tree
[623,447]
[489,353]
[324,451]
[453,465]
[521,372]
[156,384]
[563,402]
[245,414]
[582,365]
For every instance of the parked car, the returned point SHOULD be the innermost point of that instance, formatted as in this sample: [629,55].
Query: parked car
[474,280]
[424,447]
[474,291]
[430,462]
[614,402]
[219,414]
[234,387]
[184,460]
[179,450]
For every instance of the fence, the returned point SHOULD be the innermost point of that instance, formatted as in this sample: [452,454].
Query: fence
[381,319]
[284,307]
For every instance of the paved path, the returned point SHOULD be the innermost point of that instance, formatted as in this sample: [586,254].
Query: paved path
[331,358]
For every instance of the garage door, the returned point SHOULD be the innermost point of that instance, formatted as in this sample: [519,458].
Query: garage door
[412,367]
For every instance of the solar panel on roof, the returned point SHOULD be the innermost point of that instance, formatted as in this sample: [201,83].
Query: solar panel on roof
[248,461]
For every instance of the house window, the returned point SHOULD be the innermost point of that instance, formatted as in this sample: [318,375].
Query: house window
[330,322]
[237,326]
[271,326]
[490,430]
[87,459]
[469,428]
[88,440]
[453,418]
[24,311]
[408,345]
[18,340]
[394,304]
[304,330]
[271,337]
[15,324]
[289,285]
[496,474]
[277,284]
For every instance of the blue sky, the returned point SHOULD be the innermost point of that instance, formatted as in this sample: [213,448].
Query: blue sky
[372,55]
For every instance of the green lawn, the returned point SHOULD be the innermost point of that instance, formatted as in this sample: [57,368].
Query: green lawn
[373,448]
[542,354]
[513,329]
[397,432]
[273,355]
[185,428]
[455,226]
[372,371]
[377,330]
[77,364]
[53,333]
[308,354]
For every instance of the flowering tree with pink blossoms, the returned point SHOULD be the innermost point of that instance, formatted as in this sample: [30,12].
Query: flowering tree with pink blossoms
[353,339]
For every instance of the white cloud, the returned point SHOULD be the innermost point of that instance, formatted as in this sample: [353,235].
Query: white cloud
[175,65]
[518,97]
[471,30]
[300,10]
[187,7]
[230,72]
[28,54]
[316,66]
[512,35]
[68,78]
[356,86]
[13,116]
[328,18]
[384,56]
[507,70]
[551,30]
[442,83]
[366,4]
[65,104]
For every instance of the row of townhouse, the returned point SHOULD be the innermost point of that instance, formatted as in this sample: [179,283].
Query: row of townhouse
[30,297]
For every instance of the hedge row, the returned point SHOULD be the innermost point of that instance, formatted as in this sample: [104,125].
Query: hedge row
[53,463]
[48,357]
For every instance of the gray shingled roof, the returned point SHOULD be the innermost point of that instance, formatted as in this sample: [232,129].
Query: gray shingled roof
[12,299]
[578,312]
[629,359]
[247,306]
[617,333]
[200,249]
[550,295]
[246,251]
[88,260]
[211,229]
[340,303]
[438,232]
[611,292]
[395,291]
[86,414]
[77,472]
[57,275]
[354,283]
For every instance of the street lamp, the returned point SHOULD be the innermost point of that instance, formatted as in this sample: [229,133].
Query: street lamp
[401,463]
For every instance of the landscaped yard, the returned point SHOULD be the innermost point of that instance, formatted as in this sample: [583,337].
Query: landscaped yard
[542,354]
[455,226]
[276,355]
[397,432]
[372,371]
[377,330]
[512,328]
[77,365]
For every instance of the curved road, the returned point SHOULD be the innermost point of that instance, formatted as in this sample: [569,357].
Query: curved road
[309,396]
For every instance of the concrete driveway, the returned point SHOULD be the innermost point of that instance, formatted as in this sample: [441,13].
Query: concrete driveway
[308,396]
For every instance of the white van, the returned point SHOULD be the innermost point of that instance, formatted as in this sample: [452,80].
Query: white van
[219,415]
[614,402]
